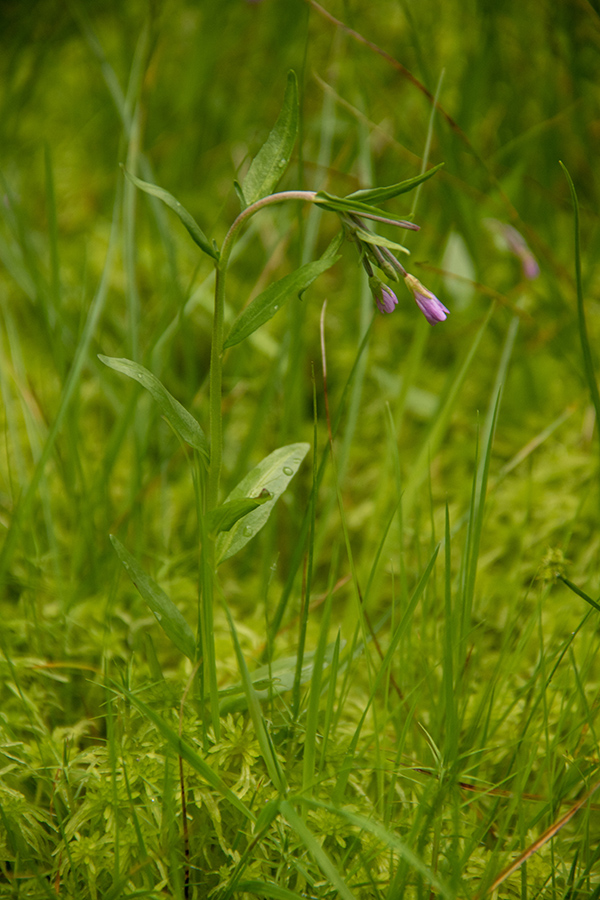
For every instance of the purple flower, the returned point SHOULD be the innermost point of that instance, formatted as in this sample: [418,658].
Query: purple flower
[432,308]
[384,297]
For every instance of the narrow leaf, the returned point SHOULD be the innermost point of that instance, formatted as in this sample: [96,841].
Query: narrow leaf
[588,362]
[393,190]
[182,421]
[272,159]
[383,835]
[167,615]
[185,217]
[370,238]
[347,205]
[224,517]
[274,474]
[315,849]
[260,726]
[270,301]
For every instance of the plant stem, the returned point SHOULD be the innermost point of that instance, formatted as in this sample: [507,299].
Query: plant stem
[216,353]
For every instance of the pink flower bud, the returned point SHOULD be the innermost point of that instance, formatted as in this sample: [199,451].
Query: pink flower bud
[384,296]
[432,308]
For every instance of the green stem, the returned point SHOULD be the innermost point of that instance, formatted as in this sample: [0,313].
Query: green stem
[216,353]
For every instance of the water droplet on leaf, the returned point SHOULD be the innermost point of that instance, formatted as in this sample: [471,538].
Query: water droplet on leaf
[287,470]
[247,531]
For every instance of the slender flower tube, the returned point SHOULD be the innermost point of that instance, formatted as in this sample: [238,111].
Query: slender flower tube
[384,297]
[432,308]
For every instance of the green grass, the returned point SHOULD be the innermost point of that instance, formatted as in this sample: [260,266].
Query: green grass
[392,689]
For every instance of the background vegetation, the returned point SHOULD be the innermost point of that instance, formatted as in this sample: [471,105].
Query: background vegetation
[434,743]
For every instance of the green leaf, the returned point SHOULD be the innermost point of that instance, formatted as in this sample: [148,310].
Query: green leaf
[270,301]
[370,237]
[386,837]
[393,190]
[258,720]
[182,421]
[272,680]
[344,205]
[188,220]
[224,517]
[272,159]
[314,848]
[274,473]
[168,616]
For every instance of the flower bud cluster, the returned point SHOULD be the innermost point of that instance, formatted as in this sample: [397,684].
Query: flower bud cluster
[373,252]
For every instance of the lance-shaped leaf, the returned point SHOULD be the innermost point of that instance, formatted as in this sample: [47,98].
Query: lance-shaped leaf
[272,159]
[270,301]
[167,615]
[347,205]
[182,421]
[378,195]
[185,217]
[369,237]
[274,474]
[224,517]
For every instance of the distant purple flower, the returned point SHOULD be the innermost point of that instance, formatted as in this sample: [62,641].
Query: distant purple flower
[384,297]
[512,240]
[432,308]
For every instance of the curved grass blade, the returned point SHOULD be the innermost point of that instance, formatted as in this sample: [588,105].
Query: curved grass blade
[258,720]
[583,333]
[386,837]
[274,474]
[272,159]
[315,849]
[182,421]
[270,301]
[184,216]
[167,615]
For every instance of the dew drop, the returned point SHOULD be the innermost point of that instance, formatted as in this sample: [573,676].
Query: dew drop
[247,531]
[276,307]
[287,470]
[158,616]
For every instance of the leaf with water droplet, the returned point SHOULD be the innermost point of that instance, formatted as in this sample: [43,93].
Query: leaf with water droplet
[273,474]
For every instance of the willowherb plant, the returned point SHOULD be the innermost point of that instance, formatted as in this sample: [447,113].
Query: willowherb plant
[227,526]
